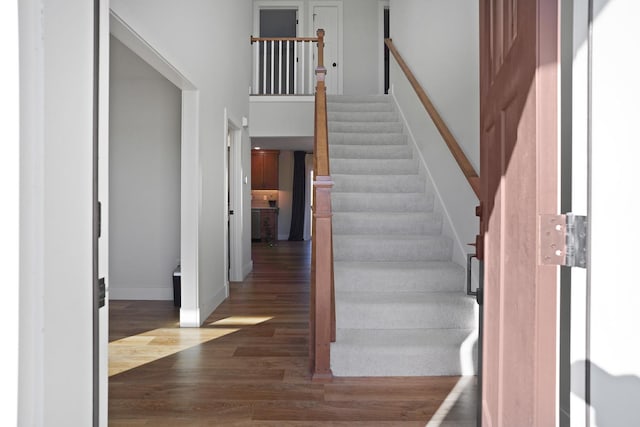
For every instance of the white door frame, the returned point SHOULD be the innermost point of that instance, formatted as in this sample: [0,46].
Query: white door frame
[577,410]
[604,315]
[190,165]
[338,5]
[278,4]
[233,167]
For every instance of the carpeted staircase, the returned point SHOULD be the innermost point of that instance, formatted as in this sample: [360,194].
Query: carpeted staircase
[401,309]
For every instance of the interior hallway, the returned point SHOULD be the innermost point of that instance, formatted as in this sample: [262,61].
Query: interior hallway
[248,364]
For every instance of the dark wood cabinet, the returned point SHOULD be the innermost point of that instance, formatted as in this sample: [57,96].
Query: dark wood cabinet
[264,169]
[264,225]
[268,225]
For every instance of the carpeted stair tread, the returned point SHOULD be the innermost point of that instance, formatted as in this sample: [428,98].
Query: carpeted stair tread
[358,99]
[369,152]
[367,127]
[345,107]
[404,310]
[378,183]
[366,138]
[398,276]
[417,223]
[414,352]
[374,166]
[359,116]
[362,247]
[382,202]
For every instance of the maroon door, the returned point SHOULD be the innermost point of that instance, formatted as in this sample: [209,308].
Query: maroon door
[518,93]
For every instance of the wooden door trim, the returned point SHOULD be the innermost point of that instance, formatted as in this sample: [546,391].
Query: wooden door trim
[548,59]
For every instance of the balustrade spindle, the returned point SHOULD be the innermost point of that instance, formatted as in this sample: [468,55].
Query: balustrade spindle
[272,61]
[264,67]
[288,68]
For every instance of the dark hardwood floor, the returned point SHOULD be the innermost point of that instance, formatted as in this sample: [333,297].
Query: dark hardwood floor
[248,363]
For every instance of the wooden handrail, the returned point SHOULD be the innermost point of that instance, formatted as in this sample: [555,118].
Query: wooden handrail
[283,39]
[322,300]
[459,156]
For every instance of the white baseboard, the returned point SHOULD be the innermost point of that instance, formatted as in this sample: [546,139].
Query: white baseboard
[189,318]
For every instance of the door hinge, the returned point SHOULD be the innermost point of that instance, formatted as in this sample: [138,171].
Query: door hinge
[563,240]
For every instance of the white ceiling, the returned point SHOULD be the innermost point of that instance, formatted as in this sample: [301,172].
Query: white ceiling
[284,143]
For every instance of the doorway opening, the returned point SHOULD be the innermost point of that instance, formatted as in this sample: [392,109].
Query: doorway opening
[234,203]
[282,55]
[386,51]
[383,51]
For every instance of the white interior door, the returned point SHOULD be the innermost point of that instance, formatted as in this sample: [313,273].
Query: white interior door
[327,16]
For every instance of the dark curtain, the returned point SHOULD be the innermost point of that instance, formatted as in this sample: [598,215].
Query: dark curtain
[298,202]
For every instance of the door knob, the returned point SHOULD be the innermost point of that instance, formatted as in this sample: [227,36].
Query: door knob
[335,65]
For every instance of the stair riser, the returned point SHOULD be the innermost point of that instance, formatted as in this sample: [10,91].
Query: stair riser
[336,107]
[355,248]
[378,183]
[381,202]
[346,138]
[349,223]
[358,99]
[366,127]
[367,280]
[374,166]
[369,116]
[369,152]
[439,314]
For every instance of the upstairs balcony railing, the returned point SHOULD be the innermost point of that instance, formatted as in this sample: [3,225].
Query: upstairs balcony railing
[284,65]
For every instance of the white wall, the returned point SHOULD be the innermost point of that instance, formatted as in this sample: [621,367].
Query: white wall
[208,43]
[56,213]
[439,41]
[271,117]
[361,27]
[144,211]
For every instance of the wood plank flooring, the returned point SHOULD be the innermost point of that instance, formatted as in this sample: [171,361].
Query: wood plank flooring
[248,364]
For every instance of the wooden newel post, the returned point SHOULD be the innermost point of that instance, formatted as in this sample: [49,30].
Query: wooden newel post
[323,277]
[320,34]
[322,322]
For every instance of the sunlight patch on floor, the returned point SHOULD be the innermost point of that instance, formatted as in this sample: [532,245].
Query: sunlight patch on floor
[439,418]
[241,321]
[132,352]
